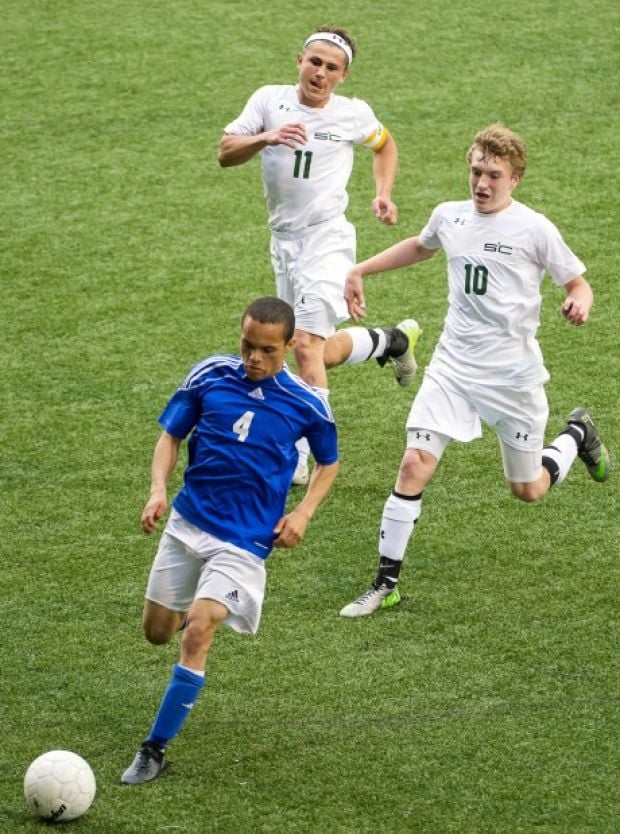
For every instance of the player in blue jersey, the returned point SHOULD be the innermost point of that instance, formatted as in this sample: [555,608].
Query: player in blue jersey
[243,415]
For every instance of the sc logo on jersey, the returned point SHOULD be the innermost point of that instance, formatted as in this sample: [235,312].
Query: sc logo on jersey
[498,247]
[327,137]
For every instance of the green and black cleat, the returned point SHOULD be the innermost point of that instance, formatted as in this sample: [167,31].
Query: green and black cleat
[591,450]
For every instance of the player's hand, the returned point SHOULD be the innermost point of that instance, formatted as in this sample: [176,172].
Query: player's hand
[291,135]
[290,529]
[385,211]
[354,294]
[154,509]
[575,312]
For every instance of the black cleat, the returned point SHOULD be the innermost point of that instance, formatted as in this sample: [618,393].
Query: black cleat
[147,764]
[591,451]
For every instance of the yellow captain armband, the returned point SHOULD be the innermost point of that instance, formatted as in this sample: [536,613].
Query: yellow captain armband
[377,138]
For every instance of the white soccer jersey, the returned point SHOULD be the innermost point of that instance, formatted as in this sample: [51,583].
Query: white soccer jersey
[496,263]
[307,185]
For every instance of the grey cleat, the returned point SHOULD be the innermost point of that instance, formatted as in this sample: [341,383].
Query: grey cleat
[147,764]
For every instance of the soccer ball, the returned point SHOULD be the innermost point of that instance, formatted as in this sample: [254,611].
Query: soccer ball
[59,786]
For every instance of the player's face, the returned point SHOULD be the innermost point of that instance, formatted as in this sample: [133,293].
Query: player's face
[321,67]
[263,348]
[491,182]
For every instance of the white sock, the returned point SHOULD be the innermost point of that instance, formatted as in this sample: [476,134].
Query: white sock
[562,451]
[397,523]
[364,346]
[200,672]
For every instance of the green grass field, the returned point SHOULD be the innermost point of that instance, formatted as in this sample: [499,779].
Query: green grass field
[487,701]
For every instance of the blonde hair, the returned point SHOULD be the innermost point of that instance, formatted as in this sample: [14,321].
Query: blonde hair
[498,140]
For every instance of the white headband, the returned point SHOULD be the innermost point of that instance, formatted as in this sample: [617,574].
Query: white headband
[332,37]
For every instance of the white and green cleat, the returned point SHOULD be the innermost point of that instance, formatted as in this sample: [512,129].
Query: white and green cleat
[405,365]
[374,599]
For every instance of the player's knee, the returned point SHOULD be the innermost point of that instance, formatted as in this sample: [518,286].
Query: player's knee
[159,623]
[304,343]
[416,465]
[308,346]
[157,633]
[310,360]
[198,634]
[528,492]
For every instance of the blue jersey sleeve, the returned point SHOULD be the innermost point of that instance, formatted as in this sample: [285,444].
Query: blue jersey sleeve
[181,414]
[321,432]
[323,441]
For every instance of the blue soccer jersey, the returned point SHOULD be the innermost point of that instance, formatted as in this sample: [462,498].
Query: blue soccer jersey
[241,451]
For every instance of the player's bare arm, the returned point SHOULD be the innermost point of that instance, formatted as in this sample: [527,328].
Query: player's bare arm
[578,302]
[292,527]
[165,458]
[404,253]
[236,149]
[385,163]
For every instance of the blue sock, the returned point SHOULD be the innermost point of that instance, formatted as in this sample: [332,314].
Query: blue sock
[180,696]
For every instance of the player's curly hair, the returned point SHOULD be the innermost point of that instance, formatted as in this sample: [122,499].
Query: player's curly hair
[498,140]
[342,33]
[272,310]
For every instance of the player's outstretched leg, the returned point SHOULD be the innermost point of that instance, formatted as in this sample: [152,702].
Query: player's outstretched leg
[147,764]
[385,344]
[400,348]
[590,448]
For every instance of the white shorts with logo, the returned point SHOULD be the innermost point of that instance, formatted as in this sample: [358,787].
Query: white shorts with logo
[453,409]
[310,273]
[191,564]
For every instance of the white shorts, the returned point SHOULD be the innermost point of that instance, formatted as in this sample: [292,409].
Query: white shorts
[453,409]
[191,564]
[310,273]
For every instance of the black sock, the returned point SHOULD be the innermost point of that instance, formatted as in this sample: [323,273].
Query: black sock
[389,570]
[374,336]
[396,343]
[552,468]
[156,750]
[576,432]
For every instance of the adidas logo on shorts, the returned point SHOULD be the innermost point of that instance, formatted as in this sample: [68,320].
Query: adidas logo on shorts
[232,596]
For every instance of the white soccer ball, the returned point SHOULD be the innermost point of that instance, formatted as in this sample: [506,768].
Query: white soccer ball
[59,786]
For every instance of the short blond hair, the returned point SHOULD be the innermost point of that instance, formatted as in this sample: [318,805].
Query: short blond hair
[498,140]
